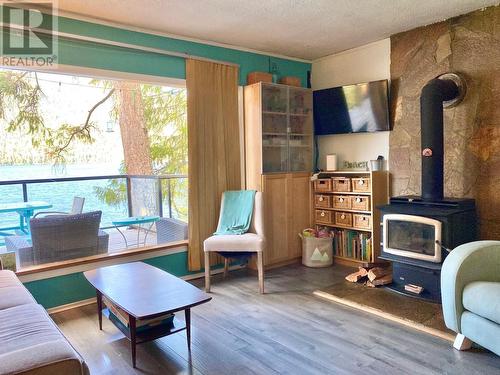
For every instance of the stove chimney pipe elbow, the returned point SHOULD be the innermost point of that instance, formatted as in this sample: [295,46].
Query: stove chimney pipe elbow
[445,90]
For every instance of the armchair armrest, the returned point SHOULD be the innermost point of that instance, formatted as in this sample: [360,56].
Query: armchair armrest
[474,261]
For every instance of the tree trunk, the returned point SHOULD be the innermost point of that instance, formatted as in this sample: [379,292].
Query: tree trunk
[133,129]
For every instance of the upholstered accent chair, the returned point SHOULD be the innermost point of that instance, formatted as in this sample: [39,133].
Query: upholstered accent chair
[57,238]
[470,288]
[250,243]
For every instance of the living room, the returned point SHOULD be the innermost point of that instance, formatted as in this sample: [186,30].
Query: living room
[333,163]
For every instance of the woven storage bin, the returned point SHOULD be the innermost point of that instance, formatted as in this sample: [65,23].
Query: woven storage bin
[290,81]
[343,218]
[323,201]
[361,185]
[317,252]
[324,184]
[254,77]
[323,216]
[341,184]
[341,201]
[362,221]
[360,202]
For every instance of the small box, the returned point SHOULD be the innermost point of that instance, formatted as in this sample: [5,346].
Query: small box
[343,218]
[323,216]
[290,81]
[360,202]
[331,162]
[341,184]
[341,201]
[322,201]
[254,77]
[362,221]
[361,185]
[323,184]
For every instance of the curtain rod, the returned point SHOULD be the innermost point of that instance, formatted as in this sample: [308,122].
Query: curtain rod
[130,46]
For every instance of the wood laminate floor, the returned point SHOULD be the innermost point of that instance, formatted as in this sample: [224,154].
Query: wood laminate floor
[285,331]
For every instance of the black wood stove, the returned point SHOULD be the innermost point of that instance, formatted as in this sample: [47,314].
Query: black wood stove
[418,232]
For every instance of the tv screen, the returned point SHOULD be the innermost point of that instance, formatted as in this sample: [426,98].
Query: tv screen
[352,109]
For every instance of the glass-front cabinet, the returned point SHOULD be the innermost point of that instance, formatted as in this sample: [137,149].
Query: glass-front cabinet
[287,131]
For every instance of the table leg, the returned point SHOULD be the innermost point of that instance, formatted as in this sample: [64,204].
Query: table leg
[146,233]
[123,235]
[188,327]
[99,308]
[131,320]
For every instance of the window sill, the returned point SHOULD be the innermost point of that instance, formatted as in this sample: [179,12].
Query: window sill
[102,258]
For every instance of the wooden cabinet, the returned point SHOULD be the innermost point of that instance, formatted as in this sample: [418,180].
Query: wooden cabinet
[278,162]
[287,213]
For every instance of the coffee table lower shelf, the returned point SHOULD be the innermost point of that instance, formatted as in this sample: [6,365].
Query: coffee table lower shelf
[149,334]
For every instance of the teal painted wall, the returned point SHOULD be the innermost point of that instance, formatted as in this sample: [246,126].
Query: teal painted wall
[118,59]
[61,290]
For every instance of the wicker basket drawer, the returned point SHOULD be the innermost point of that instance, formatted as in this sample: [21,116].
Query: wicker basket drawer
[323,184]
[343,218]
[324,216]
[324,201]
[341,184]
[360,202]
[362,184]
[341,201]
[362,221]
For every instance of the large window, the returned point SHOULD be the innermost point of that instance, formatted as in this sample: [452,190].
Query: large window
[120,145]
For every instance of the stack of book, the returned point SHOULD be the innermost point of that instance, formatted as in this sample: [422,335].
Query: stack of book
[119,317]
[352,244]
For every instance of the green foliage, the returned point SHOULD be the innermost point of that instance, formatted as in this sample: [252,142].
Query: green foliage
[20,105]
[20,98]
[165,118]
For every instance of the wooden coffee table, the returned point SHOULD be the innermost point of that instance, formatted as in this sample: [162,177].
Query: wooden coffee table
[145,292]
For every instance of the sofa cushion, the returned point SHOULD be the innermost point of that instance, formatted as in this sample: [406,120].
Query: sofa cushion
[32,344]
[483,299]
[12,291]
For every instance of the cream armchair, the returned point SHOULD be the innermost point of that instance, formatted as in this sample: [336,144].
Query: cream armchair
[251,242]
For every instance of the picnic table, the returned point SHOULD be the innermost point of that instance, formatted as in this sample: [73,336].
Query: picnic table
[25,210]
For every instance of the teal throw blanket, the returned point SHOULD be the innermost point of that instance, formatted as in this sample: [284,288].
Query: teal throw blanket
[236,212]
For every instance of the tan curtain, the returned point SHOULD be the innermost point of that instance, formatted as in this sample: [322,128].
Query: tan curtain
[213,147]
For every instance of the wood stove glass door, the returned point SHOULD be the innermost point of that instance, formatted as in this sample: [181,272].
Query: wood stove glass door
[412,237]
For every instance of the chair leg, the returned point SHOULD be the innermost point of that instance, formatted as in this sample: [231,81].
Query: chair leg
[260,270]
[207,272]
[462,342]
[226,266]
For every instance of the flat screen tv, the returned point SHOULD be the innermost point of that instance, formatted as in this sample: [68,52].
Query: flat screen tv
[352,109]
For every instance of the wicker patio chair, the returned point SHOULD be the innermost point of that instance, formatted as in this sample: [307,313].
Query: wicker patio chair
[57,238]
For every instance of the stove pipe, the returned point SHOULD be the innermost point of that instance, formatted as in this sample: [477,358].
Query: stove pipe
[446,90]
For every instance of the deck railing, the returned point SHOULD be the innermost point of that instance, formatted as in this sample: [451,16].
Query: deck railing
[143,194]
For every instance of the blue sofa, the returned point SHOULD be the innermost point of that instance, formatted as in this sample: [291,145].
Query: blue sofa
[470,288]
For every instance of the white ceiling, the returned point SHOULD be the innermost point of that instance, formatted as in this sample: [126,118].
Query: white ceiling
[306,29]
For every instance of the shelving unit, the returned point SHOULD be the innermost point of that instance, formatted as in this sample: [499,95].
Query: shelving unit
[363,246]
[278,158]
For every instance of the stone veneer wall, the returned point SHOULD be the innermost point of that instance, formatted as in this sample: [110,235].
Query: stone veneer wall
[469,45]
